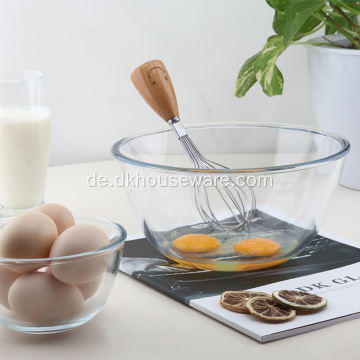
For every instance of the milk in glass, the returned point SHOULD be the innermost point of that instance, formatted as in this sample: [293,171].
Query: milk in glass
[24,155]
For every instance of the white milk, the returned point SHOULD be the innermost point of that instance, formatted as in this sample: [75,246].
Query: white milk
[24,155]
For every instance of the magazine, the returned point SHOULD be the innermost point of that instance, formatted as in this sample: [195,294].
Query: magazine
[329,266]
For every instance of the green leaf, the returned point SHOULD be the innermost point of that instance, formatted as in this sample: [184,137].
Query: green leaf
[278,23]
[296,14]
[246,78]
[278,5]
[266,71]
[310,24]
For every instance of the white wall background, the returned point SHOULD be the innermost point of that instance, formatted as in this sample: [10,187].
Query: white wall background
[88,49]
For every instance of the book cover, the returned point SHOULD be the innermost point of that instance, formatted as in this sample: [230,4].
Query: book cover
[329,266]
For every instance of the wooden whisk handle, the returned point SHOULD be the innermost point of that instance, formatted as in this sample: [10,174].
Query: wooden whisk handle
[153,83]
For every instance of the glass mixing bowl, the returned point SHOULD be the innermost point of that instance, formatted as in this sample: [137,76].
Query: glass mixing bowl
[292,171]
[50,306]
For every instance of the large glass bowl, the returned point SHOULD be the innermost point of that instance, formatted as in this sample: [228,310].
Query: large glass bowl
[292,171]
[56,306]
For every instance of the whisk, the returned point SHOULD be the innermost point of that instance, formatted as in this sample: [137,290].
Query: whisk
[153,83]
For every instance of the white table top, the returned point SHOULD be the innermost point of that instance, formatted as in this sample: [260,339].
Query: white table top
[138,322]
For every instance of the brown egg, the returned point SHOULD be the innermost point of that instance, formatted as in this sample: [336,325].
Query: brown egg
[7,278]
[41,299]
[89,289]
[27,236]
[75,240]
[61,215]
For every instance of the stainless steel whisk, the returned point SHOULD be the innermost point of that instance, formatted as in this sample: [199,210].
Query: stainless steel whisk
[153,83]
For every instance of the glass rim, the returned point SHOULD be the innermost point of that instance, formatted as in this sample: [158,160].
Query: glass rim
[10,77]
[112,246]
[345,148]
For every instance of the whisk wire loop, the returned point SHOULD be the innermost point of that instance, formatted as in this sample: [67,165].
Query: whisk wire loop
[232,194]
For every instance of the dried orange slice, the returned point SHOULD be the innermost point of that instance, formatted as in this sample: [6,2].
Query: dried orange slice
[235,300]
[299,300]
[269,309]
[257,247]
[196,243]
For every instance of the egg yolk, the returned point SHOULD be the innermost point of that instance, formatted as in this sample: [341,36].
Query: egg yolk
[196,243]
[257,247]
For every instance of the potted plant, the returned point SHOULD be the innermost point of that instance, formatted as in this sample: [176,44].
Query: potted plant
[334,66]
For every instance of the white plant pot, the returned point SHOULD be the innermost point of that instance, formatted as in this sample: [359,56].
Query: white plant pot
[334,75]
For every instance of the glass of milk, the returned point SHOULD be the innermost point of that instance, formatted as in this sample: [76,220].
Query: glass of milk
[24,141]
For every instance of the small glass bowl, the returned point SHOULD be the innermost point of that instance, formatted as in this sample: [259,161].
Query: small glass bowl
[292,171]
[66,314]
